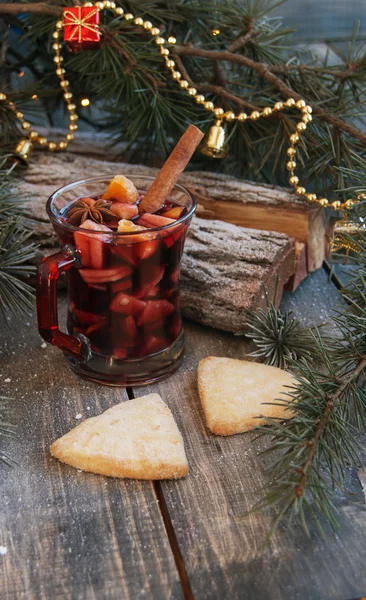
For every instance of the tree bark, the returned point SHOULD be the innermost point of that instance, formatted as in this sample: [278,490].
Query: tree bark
[225,269]
[224,266]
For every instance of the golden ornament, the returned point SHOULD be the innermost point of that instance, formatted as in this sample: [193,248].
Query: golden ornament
[214,144]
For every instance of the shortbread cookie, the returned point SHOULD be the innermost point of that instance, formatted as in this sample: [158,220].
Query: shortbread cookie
[138,439]
[233,393]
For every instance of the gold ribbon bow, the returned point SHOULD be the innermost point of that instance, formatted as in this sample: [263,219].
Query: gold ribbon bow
[80,23]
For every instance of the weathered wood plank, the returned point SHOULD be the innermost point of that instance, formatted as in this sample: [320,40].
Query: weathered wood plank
[69,534]
[224,550]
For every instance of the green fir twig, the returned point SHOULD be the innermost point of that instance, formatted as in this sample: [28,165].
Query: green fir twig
[327,407]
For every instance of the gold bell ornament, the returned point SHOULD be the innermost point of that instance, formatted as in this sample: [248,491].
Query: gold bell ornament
[214,145]
[345,236]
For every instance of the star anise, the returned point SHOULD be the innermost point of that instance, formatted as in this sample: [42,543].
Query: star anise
[97,211]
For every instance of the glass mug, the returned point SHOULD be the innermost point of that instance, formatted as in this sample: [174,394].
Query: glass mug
[123,321]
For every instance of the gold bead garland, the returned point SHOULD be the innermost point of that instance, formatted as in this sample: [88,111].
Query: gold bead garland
[218,112]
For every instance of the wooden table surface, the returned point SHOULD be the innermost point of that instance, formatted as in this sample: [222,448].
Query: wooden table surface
[73,535]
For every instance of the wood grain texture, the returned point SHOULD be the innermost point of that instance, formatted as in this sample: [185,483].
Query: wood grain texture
[224,549]
[70,535]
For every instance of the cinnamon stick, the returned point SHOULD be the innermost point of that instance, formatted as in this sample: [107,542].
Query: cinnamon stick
[166,179]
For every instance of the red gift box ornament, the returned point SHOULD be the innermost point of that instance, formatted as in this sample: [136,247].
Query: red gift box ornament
[81,27]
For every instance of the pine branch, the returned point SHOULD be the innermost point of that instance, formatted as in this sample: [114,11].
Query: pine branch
[16,296]
[267,73]
[332,400]
[35,8]
[320,439]
[278,336]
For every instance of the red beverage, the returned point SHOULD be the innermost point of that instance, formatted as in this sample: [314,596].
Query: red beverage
[123,323]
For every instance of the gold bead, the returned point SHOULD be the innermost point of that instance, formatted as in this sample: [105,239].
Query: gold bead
[88,4]
[311,197]
[300,104]
[290,102]
[294,138]
[106,4]
[159,41]
[172,39]
[291,151]
[112,5]
[323,202]
[119,10]
[148,25]
[229,116]
[69,137]
[192,91]
[254,115]
[72,127]
[128,16]
[170,64]
[59,25]
[336,205]
[67,95]
[291,165]
[60,71]
[138,21]
[71,107]
[56,46]
[99,5]
[62,145]
[2,97]
[306,118]
[176,75]
[218,112]
[65,83]
[199,98]
[73,117]
[55,35]
[278,106]
[301,127]
[266,111]
[42,141]
[242,116]
[307,109]
[164,51]
[33,135]
[26,125]
[184,84]
[348,204]
[58,59]
[52,146]
[300,191]
[19,114]
[293,180]
[155,31]
[209,105]
[11,105]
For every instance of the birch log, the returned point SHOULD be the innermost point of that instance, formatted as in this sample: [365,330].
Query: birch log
[224,266]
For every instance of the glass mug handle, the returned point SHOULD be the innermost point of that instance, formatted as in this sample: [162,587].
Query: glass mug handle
[48,273]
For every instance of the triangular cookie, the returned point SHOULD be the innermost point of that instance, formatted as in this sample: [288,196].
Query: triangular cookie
[234,392]
[138,439]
